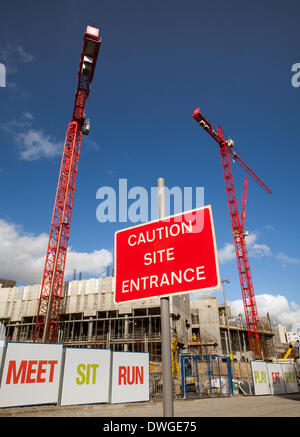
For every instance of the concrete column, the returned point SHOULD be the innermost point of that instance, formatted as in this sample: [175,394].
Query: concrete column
[126,330]
[90,331]
[15,333]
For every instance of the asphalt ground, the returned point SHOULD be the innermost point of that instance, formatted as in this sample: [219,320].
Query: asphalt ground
[236,406]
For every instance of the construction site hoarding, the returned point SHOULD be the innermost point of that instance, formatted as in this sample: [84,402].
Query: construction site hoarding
[2,350]
[130,377]
[276,379]
[290,379]
[31,374]
[260,378]
[86,378]
[173,255]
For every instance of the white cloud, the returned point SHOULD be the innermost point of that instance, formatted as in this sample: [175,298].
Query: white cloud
[270,228]
[12,56]
[11,127]
[227,253]
[36,144]
[33,143]
[284,259]
[278,307]
[91,144]
[22,256]
[27,116]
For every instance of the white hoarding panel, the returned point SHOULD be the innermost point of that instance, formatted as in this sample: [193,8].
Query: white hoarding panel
[289,376]
[2,349]
[276,378]
[31,374]
[260,378]
[86,376]
[130,377]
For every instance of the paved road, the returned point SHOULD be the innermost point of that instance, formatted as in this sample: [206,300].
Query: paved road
[238,406]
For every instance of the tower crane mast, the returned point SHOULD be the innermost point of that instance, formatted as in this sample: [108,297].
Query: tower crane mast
[52,281]
[237,223]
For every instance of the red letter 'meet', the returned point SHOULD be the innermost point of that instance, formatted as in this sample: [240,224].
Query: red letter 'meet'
[12,371]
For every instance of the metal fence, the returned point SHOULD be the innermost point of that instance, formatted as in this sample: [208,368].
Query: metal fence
[242,378]
[205,375]
[156,386]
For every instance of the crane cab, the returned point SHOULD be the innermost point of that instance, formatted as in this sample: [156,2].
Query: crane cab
[86,126]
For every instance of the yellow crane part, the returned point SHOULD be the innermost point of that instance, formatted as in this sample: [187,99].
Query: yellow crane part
[175,365]
[290,348]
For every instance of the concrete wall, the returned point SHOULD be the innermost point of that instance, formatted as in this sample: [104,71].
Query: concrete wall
[18,302]
[209,325]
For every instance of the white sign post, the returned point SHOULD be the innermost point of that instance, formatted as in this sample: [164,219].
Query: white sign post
[130,377]
[31,374]
[86,376]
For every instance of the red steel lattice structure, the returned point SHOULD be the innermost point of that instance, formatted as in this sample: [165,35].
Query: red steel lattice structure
[52,282]
[237,223]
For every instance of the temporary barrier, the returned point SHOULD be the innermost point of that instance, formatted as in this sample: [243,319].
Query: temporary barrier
[130,377]
[35,374]
[31,374]
[260,378]
[86,376]
[2,350]
[205,375]
[290,379]
[276,381]
[274,378]
[242,377]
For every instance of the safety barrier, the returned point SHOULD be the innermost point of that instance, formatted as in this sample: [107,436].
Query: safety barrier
[242,378]
[39,373]
[205,375]
[274,378]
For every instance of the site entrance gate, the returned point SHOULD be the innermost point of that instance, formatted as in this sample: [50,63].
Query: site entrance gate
[206,375]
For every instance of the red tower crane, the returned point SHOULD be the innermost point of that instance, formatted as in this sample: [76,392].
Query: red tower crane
[52,282]
[237,223]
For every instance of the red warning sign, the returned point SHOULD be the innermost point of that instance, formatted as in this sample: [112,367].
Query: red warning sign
[174,255]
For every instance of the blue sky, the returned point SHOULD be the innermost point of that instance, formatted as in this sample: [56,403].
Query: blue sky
[157,63]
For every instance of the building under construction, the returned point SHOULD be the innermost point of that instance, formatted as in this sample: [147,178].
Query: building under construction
[4,283]
[89,317]
[215,331]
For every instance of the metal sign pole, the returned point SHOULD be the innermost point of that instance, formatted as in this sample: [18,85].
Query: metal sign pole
[168,407]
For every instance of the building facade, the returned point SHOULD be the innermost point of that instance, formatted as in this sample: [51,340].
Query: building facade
[5,283]
[89,317]
[215,331]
